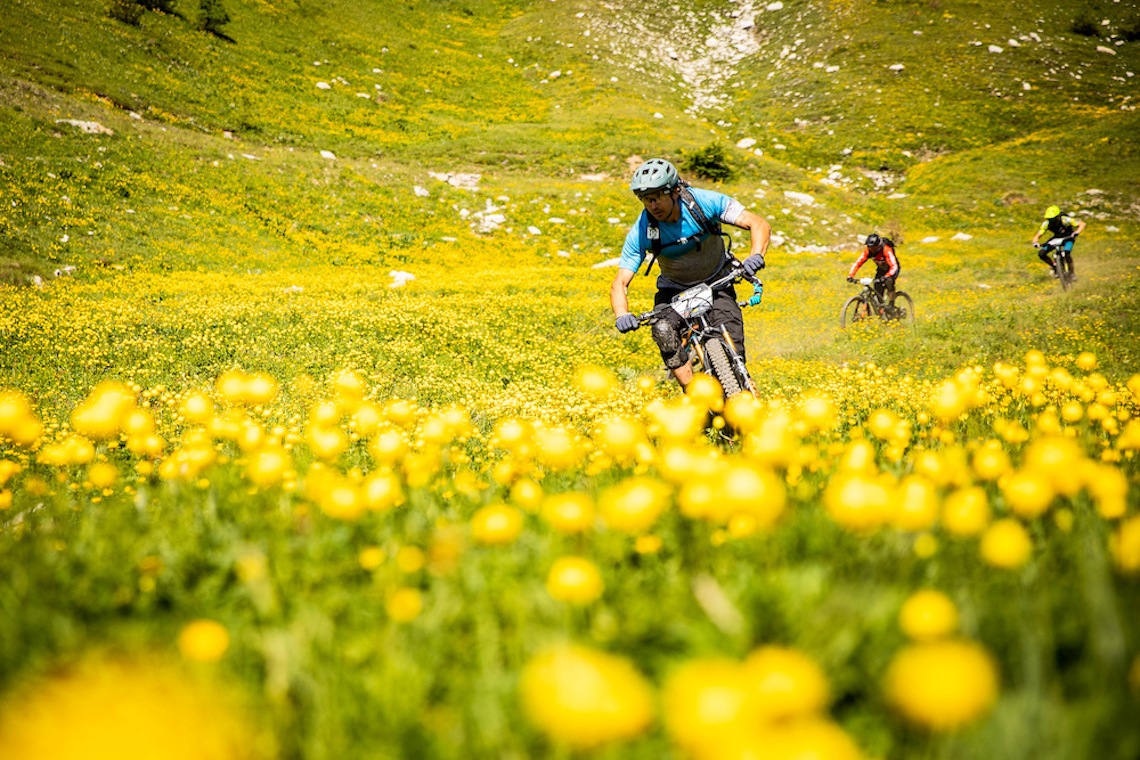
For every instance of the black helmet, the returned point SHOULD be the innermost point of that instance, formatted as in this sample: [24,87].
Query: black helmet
[874,241]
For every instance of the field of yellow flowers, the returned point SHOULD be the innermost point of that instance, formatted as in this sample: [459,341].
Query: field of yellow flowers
[327,517]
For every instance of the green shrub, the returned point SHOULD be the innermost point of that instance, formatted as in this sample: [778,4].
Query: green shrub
[710,162]
[127,11]
[1085,25]
[212,16]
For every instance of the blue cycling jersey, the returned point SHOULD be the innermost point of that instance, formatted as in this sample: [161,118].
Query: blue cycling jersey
[682,238]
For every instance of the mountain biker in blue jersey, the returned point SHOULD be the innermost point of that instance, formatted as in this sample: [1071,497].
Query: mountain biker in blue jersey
[1058,225]
[680,229]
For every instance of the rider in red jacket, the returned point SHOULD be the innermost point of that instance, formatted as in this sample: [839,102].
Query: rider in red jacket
[883,252]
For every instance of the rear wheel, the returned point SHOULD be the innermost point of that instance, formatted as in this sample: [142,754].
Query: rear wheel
[855,309]
[720,367]
[902,308]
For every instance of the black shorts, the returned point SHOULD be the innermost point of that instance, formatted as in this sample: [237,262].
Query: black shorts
[725,311]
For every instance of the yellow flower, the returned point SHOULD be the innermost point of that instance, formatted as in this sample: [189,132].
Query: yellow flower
[260,388]
[928,615]
[809,738]
[818,413]
[99,415]
[268,466]
[1109,488]
[410,559]
[569,512]
[942,685]
[748,490]
[705,392]
[916,504]
[388,447]
[1006,544]
[1125,546]
[744,412]
[102,474]
[371,557]
[1086,361]
[122,709]
[584,698]
[204,641]
[198,408]
[677,421]
[784,683]
[527,494]
[648,544]
[405,604]
[633,505]
[857,502]
[704,700]
[575,580]
[496,524]
[596,382]
[621,437]
[966,512]
[382,492]
[991,461]
[1027,493]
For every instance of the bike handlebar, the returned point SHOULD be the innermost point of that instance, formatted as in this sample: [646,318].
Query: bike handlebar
[735,275]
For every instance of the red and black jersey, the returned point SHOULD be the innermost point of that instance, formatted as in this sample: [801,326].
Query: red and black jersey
[885,256]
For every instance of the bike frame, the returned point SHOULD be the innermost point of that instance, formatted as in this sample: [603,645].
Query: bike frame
[694,304]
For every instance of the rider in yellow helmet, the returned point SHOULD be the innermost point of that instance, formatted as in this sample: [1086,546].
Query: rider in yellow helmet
[1058,225]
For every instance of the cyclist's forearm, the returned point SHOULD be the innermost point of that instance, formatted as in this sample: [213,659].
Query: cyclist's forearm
[619,294]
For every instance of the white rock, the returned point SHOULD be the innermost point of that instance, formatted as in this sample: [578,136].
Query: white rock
[962,236]
[613,220]
[534,230]
[896,67]
[895,196]
[556,220]
[994,49]
[746,143]
[1094,192]
[1013,43]
[64,239]
[328,154]
[801,198]
[600,177]
[774,6]
[1103,49]
[37,281]
[778,146]
[294,289]
[606,263]
[930,239]
[87,127]
[421,191]
[831,69]
[983,286]
[554,74]
[1026,86]
[137,116]
[658,116]
[757,152]
[777,240]
[363,95]
[324,86]
[399,278]
[251,158]
[1111,228]
[564,254]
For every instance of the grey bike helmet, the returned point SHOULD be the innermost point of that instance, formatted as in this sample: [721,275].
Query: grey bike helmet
[655,174]
[874,241]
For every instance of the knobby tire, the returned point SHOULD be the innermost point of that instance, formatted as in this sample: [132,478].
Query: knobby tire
[907,305]
[720,366]
[858,309]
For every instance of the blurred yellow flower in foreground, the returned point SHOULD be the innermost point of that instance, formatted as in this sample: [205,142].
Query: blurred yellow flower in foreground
[575,580]
[569,512]
[704,700]
[110,710]
[405,604]
[928,615]
[496,524]
[784,683]
[204,641]
[942,685]
[585,698]
[634,505]
[1006,544]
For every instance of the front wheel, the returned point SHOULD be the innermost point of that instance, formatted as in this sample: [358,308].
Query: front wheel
[1065,270]
[720,367]
[902,308]
[855,309]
